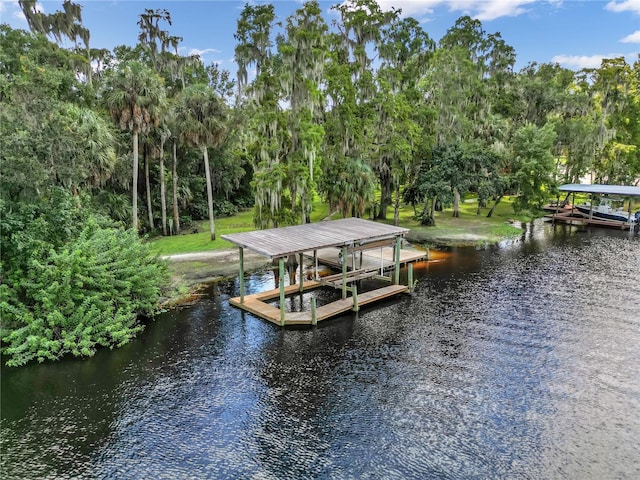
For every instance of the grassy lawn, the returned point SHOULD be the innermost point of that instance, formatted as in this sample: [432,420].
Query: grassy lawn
[189,242]
[468,229]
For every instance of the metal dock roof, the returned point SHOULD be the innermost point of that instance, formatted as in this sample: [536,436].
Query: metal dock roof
[623,190]
[281,242]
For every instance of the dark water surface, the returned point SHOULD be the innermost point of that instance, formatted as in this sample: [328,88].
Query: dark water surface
[521,361]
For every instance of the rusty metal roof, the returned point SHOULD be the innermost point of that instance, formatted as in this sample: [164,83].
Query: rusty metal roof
[281,242]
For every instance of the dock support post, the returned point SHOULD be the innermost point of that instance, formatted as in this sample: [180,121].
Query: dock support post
[314,315]
[410,273]
[315,262]
[241,276]
[282,311]
[344,272]
[301,267]
[396,273]
[355,298]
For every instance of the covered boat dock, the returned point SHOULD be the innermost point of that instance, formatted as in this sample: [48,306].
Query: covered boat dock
[345,243]
[569,214]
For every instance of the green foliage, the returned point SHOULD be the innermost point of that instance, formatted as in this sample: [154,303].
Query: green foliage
[534,167]
[49,135]
[83,295]
[30,230]
[425,218]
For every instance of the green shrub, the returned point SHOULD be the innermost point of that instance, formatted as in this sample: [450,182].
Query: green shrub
[224,208]
[86,294]
[424,218]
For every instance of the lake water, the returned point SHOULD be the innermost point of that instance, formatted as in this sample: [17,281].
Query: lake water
[519,361]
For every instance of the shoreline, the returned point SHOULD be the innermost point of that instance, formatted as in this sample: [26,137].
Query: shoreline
[191,273]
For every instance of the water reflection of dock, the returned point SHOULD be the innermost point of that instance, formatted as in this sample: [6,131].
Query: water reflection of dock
[370,250]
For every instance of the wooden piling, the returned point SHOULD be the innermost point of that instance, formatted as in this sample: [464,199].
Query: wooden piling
[301,261]
[410,279]
[396,273]
[241,275]
[282,294]
[344,272]
[355,298]
[314,314]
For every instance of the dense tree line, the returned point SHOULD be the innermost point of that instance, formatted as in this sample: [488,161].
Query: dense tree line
[366,112]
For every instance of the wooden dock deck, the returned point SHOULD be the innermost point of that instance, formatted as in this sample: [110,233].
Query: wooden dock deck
[370,259]
[256,304]
[330,242]
[577,218]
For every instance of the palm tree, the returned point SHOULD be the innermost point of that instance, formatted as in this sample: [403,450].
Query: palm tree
[134,95]
[200,116]
[356,185]
[164,133]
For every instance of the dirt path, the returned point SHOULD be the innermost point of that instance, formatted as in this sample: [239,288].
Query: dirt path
[191,271]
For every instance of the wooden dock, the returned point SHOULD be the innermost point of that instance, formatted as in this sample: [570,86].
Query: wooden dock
[330,242]
[256,304]
[575,217]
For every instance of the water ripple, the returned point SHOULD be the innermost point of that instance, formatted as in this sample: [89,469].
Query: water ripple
[514,362]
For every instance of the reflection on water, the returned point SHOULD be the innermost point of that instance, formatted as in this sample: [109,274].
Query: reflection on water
[511,362]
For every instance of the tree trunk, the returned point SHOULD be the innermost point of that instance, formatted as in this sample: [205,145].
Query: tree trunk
[385,195]
[433,209]
[89,68]
[212,226]
[148,184]
[456,203]
[174,174]
[163,193]
[494,206]
[396,212]
[134,186]
[293,201]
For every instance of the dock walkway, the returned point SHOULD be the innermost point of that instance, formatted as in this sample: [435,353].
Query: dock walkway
[374,259]
[576,217]
[256,304]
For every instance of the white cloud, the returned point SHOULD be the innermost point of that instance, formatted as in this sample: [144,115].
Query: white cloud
[633,38]
[583,61]
[411,8]
[481,10]
[18,15]
[496,8]
[200,53]
[10,12]
[623,6]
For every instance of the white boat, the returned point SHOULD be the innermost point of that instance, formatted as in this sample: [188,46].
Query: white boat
[607,211]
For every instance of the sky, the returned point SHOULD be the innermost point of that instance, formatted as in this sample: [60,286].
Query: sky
[573,33]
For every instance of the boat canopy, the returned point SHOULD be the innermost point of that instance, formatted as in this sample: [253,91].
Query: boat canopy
[623,190]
